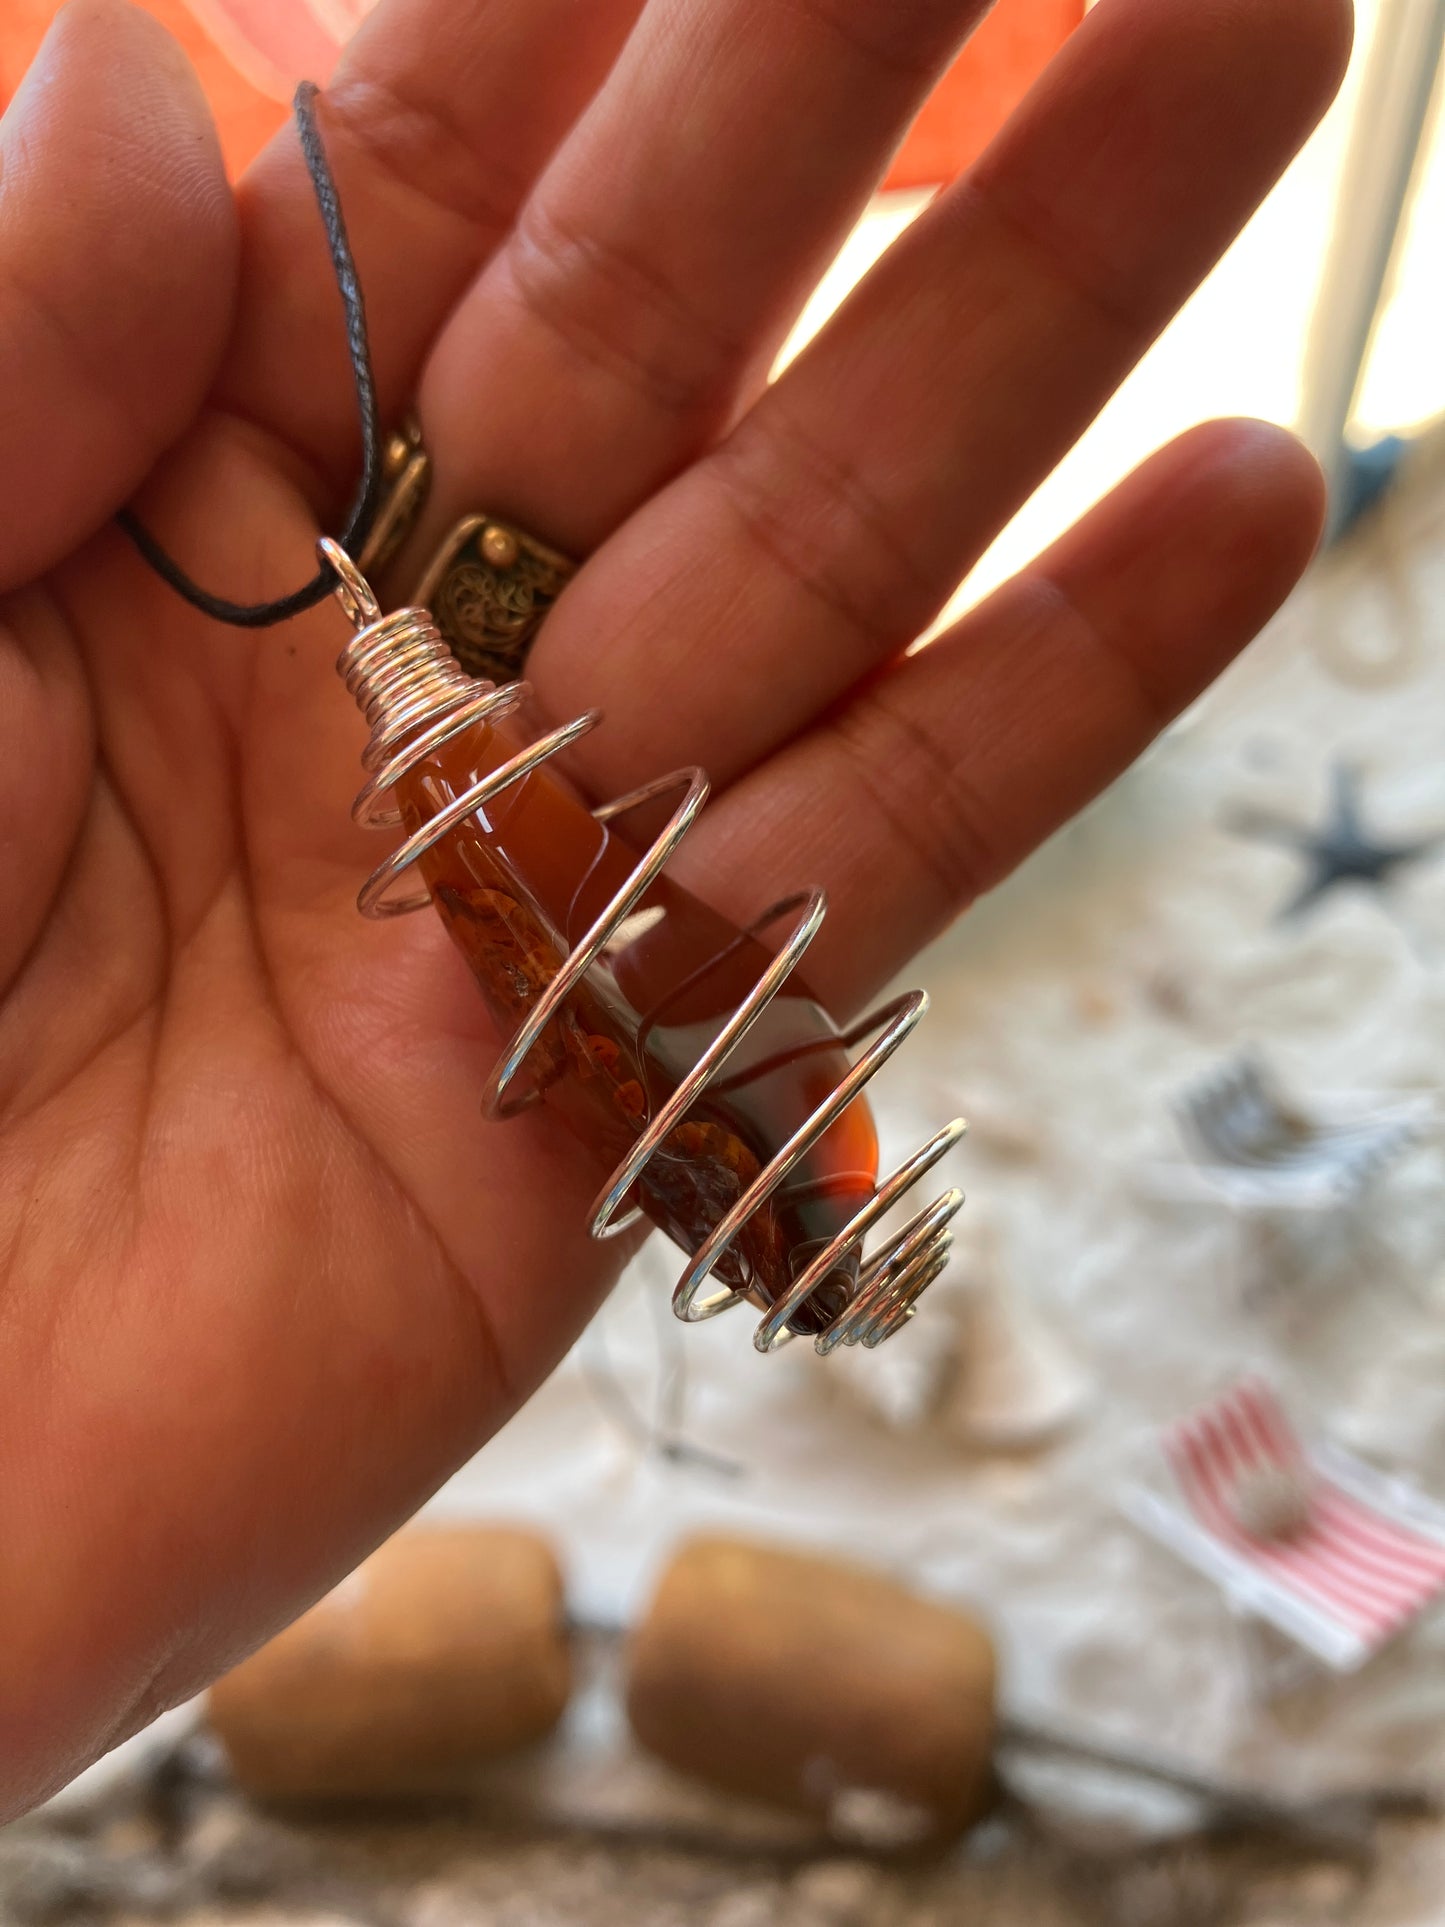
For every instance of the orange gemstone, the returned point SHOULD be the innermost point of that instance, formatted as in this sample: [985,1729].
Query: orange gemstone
[519,884]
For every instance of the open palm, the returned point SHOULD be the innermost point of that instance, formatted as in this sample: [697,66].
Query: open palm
[265,1275]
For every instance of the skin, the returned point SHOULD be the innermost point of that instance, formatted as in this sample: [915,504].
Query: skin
[265,1276]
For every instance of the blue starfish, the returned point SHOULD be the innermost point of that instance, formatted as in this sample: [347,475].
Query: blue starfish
[1341,851]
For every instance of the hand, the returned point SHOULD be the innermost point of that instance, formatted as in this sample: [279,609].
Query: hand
[265,1275]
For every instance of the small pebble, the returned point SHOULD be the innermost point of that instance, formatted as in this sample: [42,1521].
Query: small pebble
[842,1893]
[752,1907]
[1001,1131]
[1169,993]
[1184,1890]
[129,1835]
[234,1853]
[44,1877]
[878,1821]
[1094,1006]
[47,1877]
[1272,1502]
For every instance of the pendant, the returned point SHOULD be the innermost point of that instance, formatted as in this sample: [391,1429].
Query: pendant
[687,1054]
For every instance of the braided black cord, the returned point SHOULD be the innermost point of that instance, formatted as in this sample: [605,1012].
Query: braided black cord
[260,615]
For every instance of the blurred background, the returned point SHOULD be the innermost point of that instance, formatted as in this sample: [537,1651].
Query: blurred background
[1200,1040]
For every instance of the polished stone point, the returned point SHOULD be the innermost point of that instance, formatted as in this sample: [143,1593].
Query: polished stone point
[519,884]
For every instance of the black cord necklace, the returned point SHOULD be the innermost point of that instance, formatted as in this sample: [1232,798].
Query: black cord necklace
[261,615]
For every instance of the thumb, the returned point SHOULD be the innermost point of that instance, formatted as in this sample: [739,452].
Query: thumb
[117,267]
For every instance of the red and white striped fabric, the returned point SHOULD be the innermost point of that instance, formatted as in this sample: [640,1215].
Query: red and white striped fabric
[1352,1564]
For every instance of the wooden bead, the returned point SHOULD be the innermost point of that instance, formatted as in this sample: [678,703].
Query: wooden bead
[445,1649]
[804,1681]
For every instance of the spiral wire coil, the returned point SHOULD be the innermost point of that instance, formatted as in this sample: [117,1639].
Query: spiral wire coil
[416,697]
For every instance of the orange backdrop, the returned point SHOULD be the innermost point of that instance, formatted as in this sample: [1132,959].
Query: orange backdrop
[988,80]
[251,53]
[248,53]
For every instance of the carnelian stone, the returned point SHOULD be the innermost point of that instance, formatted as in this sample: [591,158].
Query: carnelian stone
[518,885]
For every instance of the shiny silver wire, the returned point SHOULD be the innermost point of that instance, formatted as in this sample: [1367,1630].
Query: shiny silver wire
[416,697]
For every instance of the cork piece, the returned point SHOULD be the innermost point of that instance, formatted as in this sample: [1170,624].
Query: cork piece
[445,1649]
[803,1681]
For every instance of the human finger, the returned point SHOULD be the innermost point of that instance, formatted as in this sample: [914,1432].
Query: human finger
[113,314]
[945,771]
[436,121]
[698,191]
[666,249]
[117,257]
[827,530]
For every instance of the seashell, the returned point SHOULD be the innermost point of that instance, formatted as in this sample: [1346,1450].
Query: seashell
[1018,1386]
